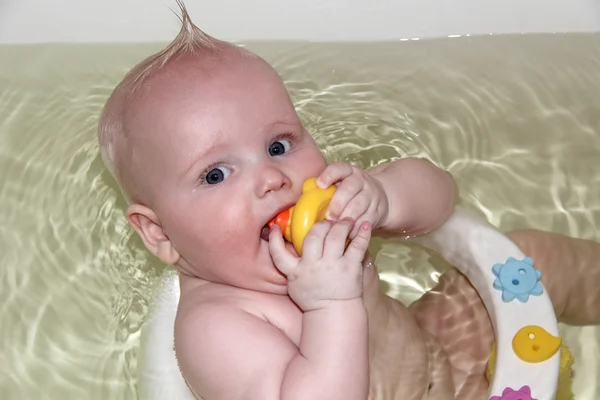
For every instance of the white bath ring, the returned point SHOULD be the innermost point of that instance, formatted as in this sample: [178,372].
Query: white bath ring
[469,243]
[159,377]
[474,247]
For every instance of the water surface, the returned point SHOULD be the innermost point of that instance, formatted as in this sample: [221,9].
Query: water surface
[516,119]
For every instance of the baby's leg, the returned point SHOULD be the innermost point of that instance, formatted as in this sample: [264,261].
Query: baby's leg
[453,313]
[570,272]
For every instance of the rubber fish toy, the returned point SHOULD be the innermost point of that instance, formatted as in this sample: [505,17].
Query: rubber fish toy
[311,207]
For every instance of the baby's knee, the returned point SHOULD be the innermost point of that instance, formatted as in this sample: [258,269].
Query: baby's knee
[570,272]
[526,239]
[539,244]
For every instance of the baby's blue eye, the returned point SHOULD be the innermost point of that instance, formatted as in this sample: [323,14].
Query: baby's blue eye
[216,175]
[279,147]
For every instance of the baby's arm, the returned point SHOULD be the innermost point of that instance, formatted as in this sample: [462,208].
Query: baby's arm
[227,353]
[421,196]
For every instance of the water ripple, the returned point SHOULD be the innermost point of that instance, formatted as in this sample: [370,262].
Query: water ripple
[515,119]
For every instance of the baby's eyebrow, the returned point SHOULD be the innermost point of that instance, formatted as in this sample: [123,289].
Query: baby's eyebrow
[191,165]
[199,156]
[279,122]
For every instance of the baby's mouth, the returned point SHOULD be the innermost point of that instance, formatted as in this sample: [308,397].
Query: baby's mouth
[264,232]
[280,216]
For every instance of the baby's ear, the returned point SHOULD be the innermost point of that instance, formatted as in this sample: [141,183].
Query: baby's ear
[147,225]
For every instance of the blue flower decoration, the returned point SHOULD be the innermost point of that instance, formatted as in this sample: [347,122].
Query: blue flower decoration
[517,279]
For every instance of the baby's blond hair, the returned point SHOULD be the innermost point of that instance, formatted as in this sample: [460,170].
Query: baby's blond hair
[112,135]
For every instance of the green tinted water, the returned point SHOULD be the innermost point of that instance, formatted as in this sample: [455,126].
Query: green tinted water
[516,119]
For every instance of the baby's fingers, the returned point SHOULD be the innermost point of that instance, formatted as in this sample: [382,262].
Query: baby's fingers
[312,248]
[360,244]
[359,208]
[334,173]
[335,242]
[344,197]
[284,260]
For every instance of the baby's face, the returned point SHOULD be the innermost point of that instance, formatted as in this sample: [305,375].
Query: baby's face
[224,155]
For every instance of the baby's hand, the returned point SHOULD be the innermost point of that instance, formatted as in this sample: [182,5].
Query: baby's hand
[359,196]
[327,270]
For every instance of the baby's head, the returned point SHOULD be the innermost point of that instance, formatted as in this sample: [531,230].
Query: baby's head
[207,147]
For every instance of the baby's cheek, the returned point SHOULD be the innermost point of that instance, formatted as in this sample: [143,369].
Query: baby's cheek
[312,162]
[209,229]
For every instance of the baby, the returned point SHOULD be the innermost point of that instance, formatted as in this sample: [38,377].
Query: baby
[207,147]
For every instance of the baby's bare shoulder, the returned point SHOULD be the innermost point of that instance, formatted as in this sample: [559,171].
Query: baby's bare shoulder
[199,298]
[222,336]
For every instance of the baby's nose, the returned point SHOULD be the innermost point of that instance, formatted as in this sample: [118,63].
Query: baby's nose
[271,179]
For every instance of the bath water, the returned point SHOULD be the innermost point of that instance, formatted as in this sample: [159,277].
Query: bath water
[515,119]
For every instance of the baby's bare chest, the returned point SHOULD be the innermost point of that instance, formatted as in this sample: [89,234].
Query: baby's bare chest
[282,313]
[399,359]
[400,364]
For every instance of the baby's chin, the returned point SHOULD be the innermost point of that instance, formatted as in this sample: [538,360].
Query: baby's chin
[266,277]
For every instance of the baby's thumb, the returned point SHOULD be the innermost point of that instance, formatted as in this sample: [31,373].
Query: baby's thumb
[283,259]
[360,244]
